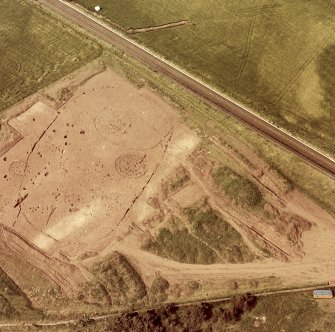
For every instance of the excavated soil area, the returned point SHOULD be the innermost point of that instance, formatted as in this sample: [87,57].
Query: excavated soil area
[82,177]
[69,182]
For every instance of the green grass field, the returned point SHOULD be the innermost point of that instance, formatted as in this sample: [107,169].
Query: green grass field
[276,57]
[36,50]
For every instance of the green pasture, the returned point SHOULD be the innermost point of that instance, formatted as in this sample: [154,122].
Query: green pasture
[36,50]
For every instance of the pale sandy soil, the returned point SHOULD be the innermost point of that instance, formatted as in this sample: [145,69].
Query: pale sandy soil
[81,175]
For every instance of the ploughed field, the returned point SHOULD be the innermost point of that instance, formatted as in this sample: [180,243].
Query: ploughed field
[278,58]
[36,50]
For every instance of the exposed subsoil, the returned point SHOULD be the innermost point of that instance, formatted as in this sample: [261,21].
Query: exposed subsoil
[82,175]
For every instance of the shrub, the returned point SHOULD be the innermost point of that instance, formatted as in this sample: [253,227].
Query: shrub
[193,285]
[118,277]
[180,246]
[159,285]
[240,190]
[209,226]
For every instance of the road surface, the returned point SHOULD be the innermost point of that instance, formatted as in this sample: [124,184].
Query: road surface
[207,93]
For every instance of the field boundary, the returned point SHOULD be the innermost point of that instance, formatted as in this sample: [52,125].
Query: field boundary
[97,318]
[246,52]
[157,27]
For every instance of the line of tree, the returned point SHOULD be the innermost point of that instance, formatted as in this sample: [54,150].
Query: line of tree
[196,317]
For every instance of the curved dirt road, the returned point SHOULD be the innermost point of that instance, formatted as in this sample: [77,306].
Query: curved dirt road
[208,94]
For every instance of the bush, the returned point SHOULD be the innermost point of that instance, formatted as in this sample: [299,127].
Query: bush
[159,285]
[232,284]
[176,181]
[118,277]
[158,290]
[194,317]
[209,226]
[240,190]
[181,247]
[193,285]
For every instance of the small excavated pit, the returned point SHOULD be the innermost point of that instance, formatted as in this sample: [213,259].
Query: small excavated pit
[131,165]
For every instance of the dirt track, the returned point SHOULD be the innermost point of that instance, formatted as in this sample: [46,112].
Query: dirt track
[216,99]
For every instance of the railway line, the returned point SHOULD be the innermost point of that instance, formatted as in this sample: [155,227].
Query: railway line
[201,89]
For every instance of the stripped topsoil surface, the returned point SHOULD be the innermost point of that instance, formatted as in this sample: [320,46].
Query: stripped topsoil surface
[108,165]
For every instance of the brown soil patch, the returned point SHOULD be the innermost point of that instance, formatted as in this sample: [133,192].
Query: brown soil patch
[131,165]
[188,195]
[70,183]
[17,167]
[87,178]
